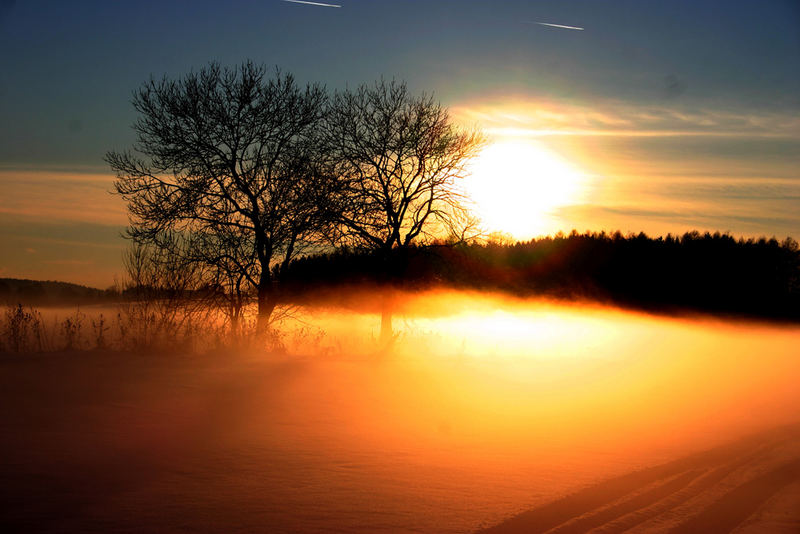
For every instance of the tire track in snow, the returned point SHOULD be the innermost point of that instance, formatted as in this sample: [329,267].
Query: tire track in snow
[746,472]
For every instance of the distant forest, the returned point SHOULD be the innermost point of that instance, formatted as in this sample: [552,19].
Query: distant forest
[48,293]
[710,273]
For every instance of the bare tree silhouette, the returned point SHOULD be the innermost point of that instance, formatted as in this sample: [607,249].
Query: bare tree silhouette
[165,293]
[229,159]
[401,158]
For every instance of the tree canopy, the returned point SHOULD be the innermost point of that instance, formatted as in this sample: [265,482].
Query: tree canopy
[227,158]
[401,158]
[239,170]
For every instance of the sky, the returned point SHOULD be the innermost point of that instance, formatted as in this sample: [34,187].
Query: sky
[656,116]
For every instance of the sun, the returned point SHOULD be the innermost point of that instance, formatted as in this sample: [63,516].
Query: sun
[517,186]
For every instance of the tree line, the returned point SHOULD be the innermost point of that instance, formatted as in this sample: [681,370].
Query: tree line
[713,273]
[50,293]
[237,171]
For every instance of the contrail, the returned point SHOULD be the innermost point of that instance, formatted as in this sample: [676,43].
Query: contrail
[312,3]
[546,24]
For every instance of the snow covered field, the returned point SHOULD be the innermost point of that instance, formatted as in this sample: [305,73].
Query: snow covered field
[477,416]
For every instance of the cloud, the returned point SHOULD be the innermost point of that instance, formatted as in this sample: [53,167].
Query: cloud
[522,116]
[69,262]
[39,235]
[675,218]
[50,195]
[79,252]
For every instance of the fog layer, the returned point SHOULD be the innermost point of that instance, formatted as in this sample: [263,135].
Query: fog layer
[484,408]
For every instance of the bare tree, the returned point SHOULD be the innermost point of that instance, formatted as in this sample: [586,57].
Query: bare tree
[401,158]
[229,159]
[231,264]
[164,293]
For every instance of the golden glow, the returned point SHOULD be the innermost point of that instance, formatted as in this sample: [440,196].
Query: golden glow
[517,186]
[516,333]
[484,402]
[500,376]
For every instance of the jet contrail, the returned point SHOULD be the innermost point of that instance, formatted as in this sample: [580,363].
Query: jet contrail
[551,25]
[312,3]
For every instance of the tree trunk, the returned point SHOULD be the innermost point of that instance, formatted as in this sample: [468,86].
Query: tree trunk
[387,298]
[387,307]
[236,328]
[236,305]
[266,302]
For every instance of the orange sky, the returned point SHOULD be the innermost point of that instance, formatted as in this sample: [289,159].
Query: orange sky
[550,167]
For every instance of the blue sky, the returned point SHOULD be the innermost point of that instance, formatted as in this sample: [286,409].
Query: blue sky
[651,98]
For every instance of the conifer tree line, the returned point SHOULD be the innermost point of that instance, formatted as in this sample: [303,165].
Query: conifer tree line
[694,272]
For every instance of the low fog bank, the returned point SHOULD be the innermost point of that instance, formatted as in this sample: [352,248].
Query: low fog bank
[484,408]
[582,354]
[441,300]
[76,317]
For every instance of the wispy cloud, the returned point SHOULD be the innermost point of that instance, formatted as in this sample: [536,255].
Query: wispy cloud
[550,24]
[82,252]
[530,117]
[50,195]
[69,262]
[663,217]
[319,4]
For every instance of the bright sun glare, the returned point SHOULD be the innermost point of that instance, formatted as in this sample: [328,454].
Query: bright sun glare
[518,184]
